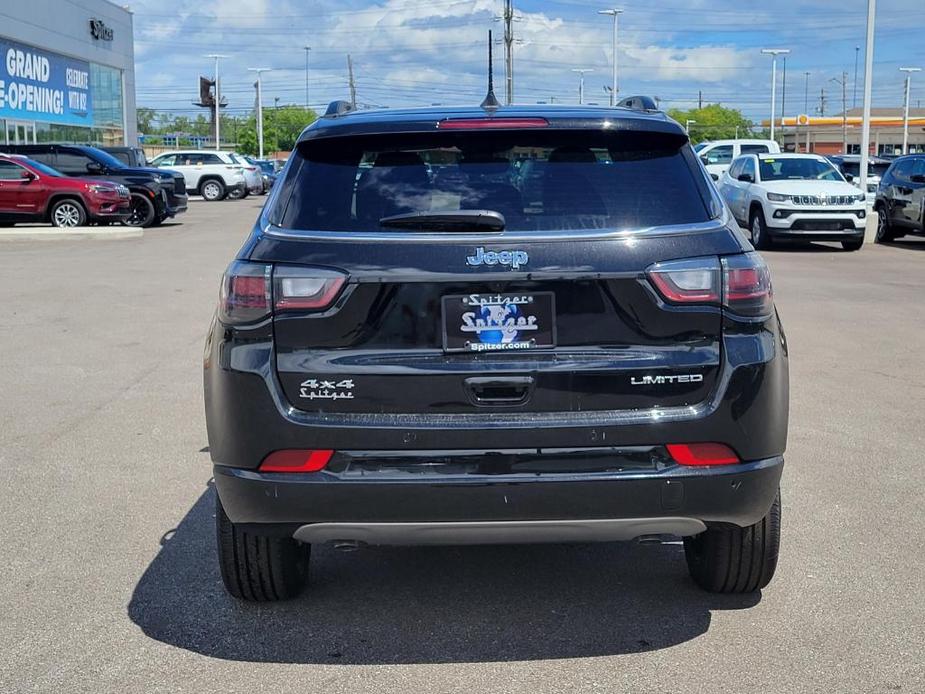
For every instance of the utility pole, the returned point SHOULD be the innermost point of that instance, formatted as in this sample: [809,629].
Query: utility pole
[259,71]
[699,98]
[615,12]
[822,101]
[774,52]
[854,96]
[581,82]
[509,51]
[307,51]
[218,100]
[806,94]
[783,95]
[844,109]
[908,71]
[353,86]
[868,84]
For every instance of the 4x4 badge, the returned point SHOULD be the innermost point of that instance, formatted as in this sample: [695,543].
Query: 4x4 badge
[513,258]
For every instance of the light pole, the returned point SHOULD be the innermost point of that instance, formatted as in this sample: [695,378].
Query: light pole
[868,84]
[687,126]
[218,100]
[259,71]
[854,96]
[615,12]
[774,52]
[908,71]
[581,82]
[307,51]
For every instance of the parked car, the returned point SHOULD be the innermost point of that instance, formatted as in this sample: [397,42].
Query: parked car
[156,195]
[130,156]
[252,175]
[850,167]
[718,155]
[268,171]
[208,173]
[392,362]
[900,202]
[794,196]
[33,192]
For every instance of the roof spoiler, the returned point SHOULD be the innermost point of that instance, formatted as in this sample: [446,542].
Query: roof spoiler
[639,103]
[338,108]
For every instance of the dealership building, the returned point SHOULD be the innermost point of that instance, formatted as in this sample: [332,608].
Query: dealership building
[66,72]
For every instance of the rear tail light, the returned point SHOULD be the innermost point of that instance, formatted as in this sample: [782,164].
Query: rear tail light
[245,295]
[747,285]
[296,460]
[251,290]
[306,288]
[741,282]
[693,281]
[702,454]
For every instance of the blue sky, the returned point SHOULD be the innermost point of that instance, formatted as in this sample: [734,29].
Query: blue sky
[408,53]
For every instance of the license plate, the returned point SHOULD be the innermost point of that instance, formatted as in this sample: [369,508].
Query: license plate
[501,322]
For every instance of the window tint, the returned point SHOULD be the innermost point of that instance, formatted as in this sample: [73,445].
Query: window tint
[72,163]
[798,168]
[537,180]
[166,160]
[755,149]
[736,168]
[918,167]
[903,169]
[719,155]
[749,168]
[10,171]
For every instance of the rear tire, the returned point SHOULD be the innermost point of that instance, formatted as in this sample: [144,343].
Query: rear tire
[258,568]
[885,233]
[237,194]
[67,213]
[729,559]
[212,189]
[852,245]
[760,237]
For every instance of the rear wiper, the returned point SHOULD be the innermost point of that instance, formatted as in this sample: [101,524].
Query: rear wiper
[461,220]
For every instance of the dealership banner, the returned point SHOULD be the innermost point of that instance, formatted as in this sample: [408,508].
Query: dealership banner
[42,86]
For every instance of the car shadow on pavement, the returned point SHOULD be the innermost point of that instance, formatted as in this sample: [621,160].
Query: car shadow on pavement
[912,243]
[429,604]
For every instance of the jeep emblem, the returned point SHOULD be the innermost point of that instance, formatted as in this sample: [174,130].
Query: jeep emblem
[512,258]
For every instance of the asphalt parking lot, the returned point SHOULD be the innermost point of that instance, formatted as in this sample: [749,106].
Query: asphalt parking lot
[110,582]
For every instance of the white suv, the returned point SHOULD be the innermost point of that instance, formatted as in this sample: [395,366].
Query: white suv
[208,173]
[796,196]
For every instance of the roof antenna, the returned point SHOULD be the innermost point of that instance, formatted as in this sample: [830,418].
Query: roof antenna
[490,103]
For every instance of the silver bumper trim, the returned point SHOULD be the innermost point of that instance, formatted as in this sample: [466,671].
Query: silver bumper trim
[498,532]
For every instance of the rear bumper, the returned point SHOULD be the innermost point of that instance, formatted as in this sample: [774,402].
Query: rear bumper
[475,509]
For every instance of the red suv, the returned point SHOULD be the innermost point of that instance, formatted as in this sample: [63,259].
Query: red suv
[33,192]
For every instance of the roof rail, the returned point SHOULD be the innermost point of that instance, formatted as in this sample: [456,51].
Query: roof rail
[338,108]
[639,103]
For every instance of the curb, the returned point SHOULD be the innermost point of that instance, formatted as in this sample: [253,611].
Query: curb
[78,233]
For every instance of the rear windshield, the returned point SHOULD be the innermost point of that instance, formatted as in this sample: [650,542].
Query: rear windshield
[538,180]
[797,168]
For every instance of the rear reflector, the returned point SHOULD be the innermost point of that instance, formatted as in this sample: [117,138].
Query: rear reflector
[491,123]
[296,460]
[702,454]
[693,281]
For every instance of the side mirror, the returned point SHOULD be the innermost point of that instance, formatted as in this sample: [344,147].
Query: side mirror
[714,176]
[917,178]
[747,177]
[849,178]
[94,167]
[27,176]
[704,159]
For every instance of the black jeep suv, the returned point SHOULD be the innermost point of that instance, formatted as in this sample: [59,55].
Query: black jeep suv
[900,202]
[157,194]
[409,350]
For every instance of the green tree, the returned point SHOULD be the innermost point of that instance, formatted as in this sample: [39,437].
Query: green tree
[145,118]
[713,122]
[286,122]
